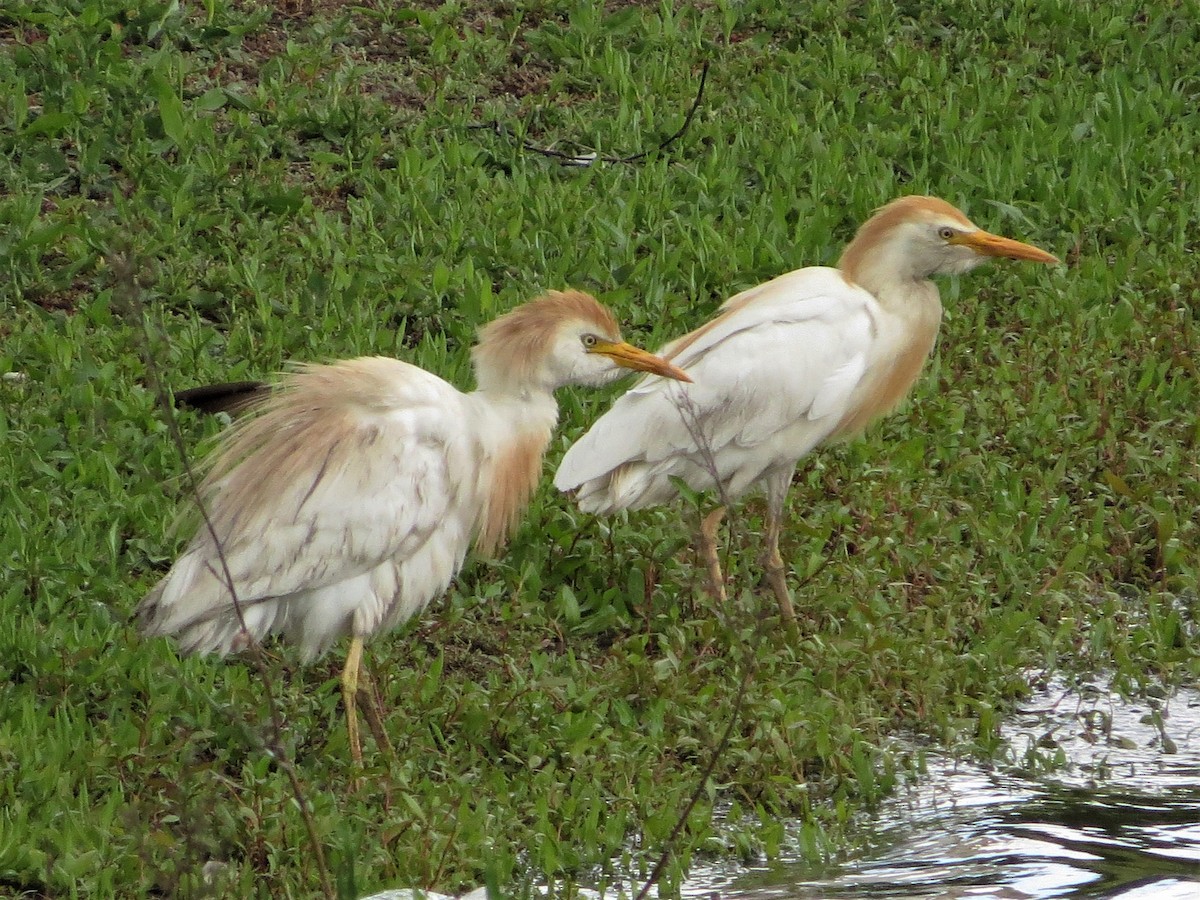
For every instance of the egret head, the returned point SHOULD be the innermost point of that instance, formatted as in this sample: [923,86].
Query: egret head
[914,238]
[562,337]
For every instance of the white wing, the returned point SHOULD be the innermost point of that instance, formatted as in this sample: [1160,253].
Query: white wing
[352,471]
[773,375]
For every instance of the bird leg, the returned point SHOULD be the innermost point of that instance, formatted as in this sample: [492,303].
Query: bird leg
[772,561]
[776,572]
[708,550]
[373,710]
[350,696]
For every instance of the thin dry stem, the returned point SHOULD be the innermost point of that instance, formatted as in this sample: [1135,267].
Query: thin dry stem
[129,291]
[586,159]
[747,661]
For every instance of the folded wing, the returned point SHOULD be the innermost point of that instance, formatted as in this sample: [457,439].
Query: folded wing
[772,376]
[344,475]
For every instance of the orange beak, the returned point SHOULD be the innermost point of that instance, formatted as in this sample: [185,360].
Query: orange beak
[993,245]
[632,357]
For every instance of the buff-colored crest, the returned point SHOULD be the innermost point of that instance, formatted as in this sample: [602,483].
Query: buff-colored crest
[514,346]
[916,208]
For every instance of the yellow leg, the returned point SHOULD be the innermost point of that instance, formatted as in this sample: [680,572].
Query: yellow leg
[374,713]
[776,573]
[708,550]
[350,697]
[777,490]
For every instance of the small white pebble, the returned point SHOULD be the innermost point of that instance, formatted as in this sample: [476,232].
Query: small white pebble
[583,160]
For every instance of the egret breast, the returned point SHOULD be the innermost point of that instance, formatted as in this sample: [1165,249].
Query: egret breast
[889,381]
[514,475]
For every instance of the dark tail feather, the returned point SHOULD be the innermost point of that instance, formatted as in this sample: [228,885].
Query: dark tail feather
[234,397]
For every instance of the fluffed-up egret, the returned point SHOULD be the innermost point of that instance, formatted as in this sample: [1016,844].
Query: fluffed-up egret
[811,356]
[348,497]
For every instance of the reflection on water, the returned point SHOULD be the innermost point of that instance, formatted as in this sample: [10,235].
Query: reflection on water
[1120,819]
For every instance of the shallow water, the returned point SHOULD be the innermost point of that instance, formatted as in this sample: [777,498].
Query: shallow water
[1100,799]
[1120,818]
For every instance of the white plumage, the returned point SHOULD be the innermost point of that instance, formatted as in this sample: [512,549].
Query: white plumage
[327,527]
[810,356]
[350,497]
[811,348]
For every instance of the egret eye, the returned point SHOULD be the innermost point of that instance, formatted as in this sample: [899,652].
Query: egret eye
[946,232]
[589,341]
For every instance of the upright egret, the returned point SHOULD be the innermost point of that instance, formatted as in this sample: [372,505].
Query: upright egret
[811,356]
[348,497]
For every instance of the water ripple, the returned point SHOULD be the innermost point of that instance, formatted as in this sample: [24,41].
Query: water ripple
[1117,816]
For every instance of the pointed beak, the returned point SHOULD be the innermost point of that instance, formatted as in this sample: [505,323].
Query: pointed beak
[988,244]
[632,357]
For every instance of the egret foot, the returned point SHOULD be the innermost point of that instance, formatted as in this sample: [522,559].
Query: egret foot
[373,710]
[349,698]
[708,550]
[776,574]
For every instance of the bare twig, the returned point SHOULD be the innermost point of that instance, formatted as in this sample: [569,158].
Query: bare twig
[748,661]
[687,122]
[129,291]
[691,421]
[589,157]
[690,416]
[749,667]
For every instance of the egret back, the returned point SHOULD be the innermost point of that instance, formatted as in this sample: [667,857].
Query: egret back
[772,376]
[343,470]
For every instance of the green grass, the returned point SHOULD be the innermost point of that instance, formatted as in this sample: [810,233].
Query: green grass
[310,185]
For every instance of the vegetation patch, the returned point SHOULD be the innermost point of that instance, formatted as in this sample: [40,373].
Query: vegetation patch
[308,181]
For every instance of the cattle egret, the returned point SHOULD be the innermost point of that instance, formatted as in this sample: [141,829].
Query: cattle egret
[812,356]
[347,499]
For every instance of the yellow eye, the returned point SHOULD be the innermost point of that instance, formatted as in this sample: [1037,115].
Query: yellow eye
[946,232]
[589,341]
